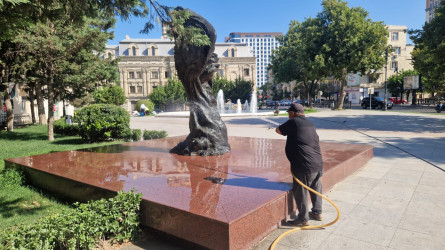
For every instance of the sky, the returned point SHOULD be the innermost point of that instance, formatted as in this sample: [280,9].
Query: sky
[273,15]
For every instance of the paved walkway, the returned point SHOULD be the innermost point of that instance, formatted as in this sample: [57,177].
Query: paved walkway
[396,201]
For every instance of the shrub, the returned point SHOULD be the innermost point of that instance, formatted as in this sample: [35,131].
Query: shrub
[11,178]
[136,134]
[152,134]
[62,128]
[100,122]
[149,106]
[116,219]
[127,134]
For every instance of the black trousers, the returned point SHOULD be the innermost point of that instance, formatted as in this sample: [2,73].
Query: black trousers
[312,180]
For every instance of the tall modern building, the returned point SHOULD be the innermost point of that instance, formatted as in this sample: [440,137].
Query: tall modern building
[261,45]
[430,9]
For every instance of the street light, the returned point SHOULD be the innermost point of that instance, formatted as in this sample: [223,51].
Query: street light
[386,73]
[396,69]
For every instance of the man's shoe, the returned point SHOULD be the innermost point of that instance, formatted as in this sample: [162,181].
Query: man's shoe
[313,216]
[298,223]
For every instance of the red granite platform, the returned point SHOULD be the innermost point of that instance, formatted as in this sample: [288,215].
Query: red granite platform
[219,202]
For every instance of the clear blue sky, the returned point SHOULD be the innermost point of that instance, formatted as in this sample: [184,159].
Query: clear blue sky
[274,15]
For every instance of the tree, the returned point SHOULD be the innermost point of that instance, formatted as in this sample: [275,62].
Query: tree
[169,96]
[395,82]
[299,58]
[241,89]
[221,83]
[352,41]
[110,95]
[61,53]
[17,16]
[429,52]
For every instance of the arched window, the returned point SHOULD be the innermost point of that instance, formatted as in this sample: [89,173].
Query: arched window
[133,51]
[153,51]
[110,55]
[232,51]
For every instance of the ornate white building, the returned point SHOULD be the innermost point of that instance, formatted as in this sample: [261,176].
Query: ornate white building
[147,63]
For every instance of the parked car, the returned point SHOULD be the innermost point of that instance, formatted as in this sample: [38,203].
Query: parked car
[396,100]
[376,102]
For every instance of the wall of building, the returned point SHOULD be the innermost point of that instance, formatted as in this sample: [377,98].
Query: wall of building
[147,63]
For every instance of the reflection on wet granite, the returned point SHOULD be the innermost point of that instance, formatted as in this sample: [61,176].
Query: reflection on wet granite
[210,201]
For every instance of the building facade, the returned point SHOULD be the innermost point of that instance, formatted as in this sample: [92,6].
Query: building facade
[430,9]
[261,44]
[357,85]
[148,63]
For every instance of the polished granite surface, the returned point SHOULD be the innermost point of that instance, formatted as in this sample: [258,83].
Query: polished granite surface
[226,193]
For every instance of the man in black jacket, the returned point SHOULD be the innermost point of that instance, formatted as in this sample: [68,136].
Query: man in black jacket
[303,152]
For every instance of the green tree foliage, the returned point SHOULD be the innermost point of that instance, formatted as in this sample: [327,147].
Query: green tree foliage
[242,90]
[221,83]
[394,82]
[110,95]
[429,52]
[169,96]
[300,57]
[352,42]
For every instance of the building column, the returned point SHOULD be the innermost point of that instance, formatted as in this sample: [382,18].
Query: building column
[145,82]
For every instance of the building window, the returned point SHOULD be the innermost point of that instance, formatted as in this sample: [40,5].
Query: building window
[132,89]
[246,72]
[154,75]
[110,55]
[394,65]
[131,75]
[139,89]
[153,51]
[138,75]
[397,50]
[134,51]
[395,36]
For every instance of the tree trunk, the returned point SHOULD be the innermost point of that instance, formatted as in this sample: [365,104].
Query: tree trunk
[31,99]
[414,95]
[50,108]
[40,104]
[342,90]
[9,112]
[7,99]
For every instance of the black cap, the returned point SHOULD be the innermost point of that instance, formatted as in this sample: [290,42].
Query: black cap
[296,107]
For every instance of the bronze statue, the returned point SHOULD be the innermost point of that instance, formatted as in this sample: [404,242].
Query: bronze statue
[195,67]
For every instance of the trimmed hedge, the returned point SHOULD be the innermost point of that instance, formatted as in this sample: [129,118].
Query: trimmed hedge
[62,128]
[100,122]
[116,219]
[152,134]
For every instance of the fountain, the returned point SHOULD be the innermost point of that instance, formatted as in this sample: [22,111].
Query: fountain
[238,106]
[253,103]
[220,102]
[246,106]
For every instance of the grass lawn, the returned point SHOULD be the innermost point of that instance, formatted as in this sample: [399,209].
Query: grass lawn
[21,204]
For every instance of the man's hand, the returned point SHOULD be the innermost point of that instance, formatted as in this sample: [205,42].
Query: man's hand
[278,131]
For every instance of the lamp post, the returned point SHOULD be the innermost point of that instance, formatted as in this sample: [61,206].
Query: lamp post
[396,69]
[386,73]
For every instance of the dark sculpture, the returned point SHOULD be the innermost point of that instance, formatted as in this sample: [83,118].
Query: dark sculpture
[195,67]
